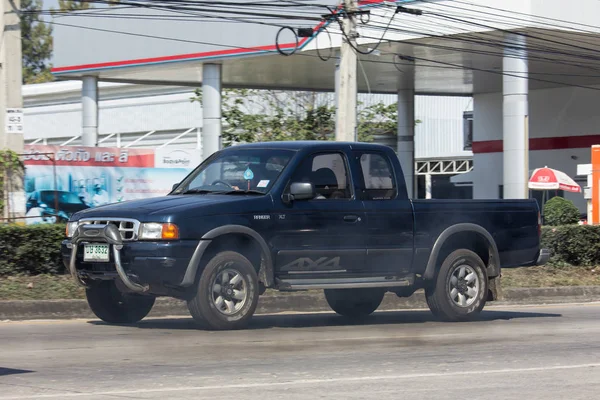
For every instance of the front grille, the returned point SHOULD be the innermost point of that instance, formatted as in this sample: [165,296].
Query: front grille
[129,228]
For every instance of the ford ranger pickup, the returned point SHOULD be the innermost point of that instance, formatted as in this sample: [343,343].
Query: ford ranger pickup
[294,216]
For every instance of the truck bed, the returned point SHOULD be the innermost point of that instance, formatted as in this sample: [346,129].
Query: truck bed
[513,225]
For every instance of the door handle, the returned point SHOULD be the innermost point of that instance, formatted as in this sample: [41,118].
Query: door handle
[351,218]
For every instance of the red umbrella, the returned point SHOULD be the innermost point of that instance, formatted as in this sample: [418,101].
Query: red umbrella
[551,179]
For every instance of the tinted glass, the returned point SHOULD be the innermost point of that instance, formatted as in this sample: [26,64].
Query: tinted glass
[378,177]
[327,171]
[255,169]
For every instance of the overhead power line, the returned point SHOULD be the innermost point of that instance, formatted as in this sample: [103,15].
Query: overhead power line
[529,17]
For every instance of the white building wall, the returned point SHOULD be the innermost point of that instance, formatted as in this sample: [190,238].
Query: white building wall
[553,113]
[440,133]
[171,112]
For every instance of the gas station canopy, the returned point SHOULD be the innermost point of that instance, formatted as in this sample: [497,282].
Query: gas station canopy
[450,49]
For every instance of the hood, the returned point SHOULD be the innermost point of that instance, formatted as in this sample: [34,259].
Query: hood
[144,208]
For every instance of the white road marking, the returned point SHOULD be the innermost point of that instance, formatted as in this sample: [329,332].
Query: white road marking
[301,382]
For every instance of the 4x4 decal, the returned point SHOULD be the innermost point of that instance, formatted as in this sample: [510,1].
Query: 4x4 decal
[307,264]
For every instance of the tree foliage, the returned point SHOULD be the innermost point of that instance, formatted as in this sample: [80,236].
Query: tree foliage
[66,6]
[72,5]
[267,115]
[11,165]
[36,43]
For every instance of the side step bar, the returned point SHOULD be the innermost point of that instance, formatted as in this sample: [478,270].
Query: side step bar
[346,283]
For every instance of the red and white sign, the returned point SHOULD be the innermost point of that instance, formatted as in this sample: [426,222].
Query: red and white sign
[80,156]
[551,179]
[87,177]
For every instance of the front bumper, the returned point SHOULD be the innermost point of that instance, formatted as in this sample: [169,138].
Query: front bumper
[140,265]
[543,257]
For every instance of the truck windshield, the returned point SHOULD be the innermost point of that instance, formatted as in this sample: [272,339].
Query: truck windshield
[249,170]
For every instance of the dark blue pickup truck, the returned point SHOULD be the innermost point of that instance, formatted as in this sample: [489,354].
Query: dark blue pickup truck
[297,216]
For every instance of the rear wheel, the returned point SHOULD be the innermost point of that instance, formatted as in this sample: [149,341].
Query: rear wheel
[459,291]
[354,303]
[111,305]
[227,292]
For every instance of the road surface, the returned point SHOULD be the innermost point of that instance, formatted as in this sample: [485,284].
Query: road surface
[526,353]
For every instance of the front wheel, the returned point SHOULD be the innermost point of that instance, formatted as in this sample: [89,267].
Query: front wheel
[227,292]
[459,291]
[111,305]
[354,303]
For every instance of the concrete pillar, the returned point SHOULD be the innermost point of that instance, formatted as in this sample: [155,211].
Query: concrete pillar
[89,111]
[211,109]
[515,119]
[406,137]
[337,86]
[428,186]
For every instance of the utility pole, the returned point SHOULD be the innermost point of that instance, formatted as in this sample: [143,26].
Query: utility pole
[11,100]
[347,88]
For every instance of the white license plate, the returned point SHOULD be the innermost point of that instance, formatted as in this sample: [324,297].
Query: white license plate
[96,252]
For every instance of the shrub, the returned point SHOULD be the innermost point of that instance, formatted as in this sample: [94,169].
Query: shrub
[31,250]
[573,244]
[559,211]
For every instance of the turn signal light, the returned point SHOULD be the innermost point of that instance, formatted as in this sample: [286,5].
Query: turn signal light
[170,231]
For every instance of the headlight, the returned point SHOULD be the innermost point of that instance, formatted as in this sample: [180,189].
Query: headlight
[158,231]
[71,227]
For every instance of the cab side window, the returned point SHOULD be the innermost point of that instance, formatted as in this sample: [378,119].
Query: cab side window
[378,176]
[329,174]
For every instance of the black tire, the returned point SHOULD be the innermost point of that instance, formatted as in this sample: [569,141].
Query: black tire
[205,306]
[439,294]
[354,303]
[111,305]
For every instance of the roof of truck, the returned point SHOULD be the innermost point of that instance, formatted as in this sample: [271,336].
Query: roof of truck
[303,144]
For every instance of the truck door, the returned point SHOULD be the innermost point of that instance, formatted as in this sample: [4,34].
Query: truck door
[324,236]
[389,214]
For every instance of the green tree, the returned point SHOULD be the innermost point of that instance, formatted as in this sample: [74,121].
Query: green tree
[11,171]
[75,5]
[267,115]
[36,43]
[72,5]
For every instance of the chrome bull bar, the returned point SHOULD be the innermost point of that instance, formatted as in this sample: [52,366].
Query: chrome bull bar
[103,233]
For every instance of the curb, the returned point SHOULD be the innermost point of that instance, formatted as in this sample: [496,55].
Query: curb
[292,302]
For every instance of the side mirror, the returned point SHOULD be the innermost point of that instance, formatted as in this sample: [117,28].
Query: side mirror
[302,191]
[175,186]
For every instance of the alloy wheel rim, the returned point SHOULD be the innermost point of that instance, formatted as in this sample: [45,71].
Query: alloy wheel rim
[463,286]
[229,291]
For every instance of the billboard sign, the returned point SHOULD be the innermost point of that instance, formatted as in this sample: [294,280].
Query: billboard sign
[92,176]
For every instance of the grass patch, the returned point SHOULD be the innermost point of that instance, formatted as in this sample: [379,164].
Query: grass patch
[40,287]
[55,287]
[550,276]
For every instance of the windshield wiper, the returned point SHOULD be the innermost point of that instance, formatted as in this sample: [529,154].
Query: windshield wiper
[198,191]
[240,192]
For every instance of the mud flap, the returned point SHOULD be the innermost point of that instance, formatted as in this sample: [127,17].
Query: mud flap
[495,289]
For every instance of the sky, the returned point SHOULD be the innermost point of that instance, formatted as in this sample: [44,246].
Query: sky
[50,3]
